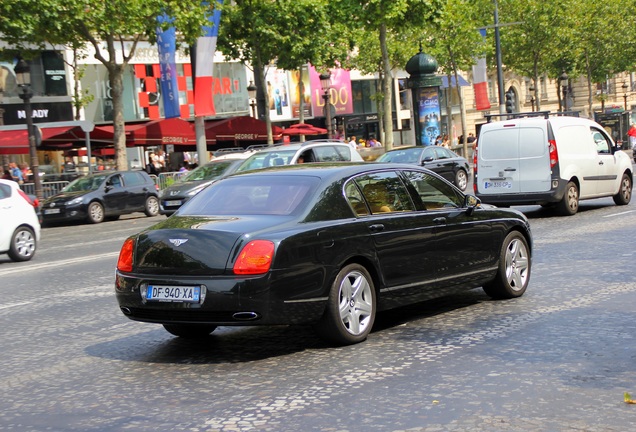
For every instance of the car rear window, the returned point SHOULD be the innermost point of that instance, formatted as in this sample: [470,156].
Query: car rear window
[253,195]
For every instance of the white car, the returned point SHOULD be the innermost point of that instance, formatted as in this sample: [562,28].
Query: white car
[20,228]
[309,151]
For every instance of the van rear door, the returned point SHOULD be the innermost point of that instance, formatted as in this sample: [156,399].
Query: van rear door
[514,159]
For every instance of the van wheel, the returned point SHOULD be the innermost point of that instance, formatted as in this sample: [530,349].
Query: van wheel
[624,194]
[461,180]
[569,205]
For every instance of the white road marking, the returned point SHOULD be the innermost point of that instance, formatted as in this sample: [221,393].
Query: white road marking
[32,267]
[14,305]
[620,214]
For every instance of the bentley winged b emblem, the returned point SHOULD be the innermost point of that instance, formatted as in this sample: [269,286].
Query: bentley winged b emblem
[177,242]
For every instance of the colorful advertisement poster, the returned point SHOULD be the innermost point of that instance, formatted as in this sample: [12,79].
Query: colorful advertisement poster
[297,90]
[429,115]
[339,92]
[278,95]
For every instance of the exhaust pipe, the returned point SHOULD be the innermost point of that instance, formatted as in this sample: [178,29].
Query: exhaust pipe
[245,316]
[126,311]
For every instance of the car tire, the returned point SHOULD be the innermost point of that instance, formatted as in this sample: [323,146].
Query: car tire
[152,206]
[624,195]
[351,307]
[514,270]
[96,213]
[461,179]
[190,331]
[569,205]
[23,244]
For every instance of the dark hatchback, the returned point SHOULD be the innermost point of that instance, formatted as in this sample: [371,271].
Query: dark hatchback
[102,196]
[441,160]
[175,195]
[319,244]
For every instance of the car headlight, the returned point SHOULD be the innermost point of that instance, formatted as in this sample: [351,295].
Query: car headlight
[74,201]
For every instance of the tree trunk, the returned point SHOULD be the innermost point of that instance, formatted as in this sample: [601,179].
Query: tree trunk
[386,88]
[115,79]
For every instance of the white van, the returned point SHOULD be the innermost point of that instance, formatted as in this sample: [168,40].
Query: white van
[551,161]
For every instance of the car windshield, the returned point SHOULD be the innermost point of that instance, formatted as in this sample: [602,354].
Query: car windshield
[252,195]
[267,159]
[85,184]
[401,156]
[206,172]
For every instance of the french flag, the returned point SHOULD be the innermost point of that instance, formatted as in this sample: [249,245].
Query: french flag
[480,85]
[204,62]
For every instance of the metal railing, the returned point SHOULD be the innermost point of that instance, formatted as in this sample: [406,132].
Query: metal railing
[165,179]
[48,188]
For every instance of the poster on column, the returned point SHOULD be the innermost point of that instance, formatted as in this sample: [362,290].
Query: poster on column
[278,94]
[429,114]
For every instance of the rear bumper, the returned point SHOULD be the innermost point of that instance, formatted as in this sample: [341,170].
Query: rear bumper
[228,300]
[526,198]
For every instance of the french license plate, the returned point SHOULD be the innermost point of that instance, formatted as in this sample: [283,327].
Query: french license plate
[169,293]
[498,184]
[51,211]
[173,203]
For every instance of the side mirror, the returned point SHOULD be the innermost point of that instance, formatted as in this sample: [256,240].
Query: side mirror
[471,202]
[427,159]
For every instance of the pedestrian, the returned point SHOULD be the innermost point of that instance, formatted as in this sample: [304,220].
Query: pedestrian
[16,173]
[184,167]
[7,175]
[471,138]
[352,143]
[632,136]
[150,166]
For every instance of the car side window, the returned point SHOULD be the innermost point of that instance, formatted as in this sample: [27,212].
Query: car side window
[332,153]
[133,179]
[434,192]
[384,192]
[428,152]
[355,199]
[601,142]
[115,181]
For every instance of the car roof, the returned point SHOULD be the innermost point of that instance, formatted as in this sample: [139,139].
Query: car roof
[326,170]
[298,146]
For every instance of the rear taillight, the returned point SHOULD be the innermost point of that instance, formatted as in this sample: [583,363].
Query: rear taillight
[255,258]
[125,261]
[475,158]
[554,154]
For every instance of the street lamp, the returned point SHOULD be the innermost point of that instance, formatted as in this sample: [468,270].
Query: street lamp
[531,90]
[23,78]
[563,80]
[251,92]
[625,87]
[325,83]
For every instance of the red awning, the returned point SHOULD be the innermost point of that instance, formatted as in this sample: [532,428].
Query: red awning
[239,129]
[172,131]
[17,141]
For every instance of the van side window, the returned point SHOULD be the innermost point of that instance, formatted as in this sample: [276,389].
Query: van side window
[601,142]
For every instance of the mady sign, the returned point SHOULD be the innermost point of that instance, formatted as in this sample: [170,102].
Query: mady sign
[15,114]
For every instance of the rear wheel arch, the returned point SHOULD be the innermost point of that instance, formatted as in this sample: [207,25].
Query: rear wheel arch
[369,266]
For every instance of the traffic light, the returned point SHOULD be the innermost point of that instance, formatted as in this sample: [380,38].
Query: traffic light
[510,101]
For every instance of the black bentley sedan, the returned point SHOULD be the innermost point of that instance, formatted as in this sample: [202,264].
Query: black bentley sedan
[323,244]
[106,195]
[440,160]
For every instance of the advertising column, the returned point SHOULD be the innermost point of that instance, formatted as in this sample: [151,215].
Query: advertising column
[425,86]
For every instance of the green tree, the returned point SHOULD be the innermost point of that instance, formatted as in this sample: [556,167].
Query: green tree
[456,43]
[286,34]
[30,24]
[390,21]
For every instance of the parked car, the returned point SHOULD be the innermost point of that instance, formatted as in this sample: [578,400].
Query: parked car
[20,228]
[175,195]
[551,161]
[106,195]
[441,160]
[309,151]
[323,244]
